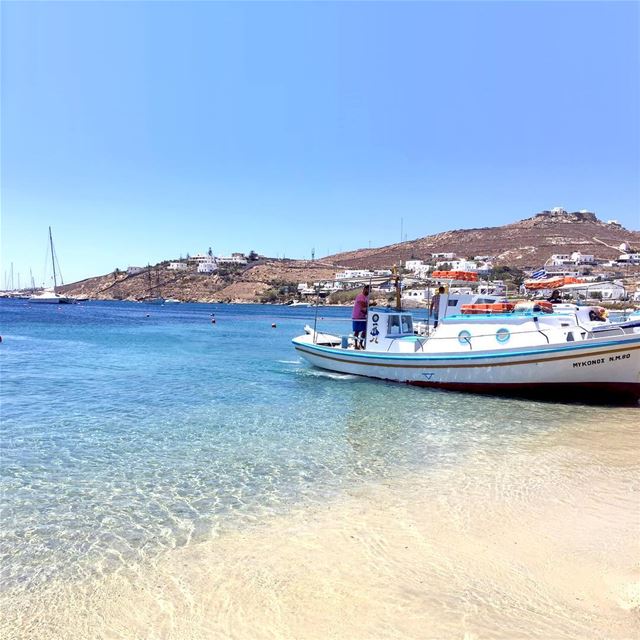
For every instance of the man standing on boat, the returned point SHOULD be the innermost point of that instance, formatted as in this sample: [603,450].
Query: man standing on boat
[434,307]
[359,317]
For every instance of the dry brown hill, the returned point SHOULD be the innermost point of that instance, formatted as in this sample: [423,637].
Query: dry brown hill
[248,284]
[527,243]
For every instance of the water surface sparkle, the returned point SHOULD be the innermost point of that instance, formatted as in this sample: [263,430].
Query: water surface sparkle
[124,436]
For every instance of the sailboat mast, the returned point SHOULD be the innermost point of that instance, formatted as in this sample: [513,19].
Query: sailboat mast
[53,261]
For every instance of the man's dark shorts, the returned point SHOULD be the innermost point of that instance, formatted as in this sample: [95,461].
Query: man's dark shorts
[359,325]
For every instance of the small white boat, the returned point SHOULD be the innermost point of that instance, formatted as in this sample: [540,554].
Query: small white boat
[50,296]
[569,354]
[322,338]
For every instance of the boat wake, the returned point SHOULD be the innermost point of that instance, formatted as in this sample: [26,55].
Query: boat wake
[315,373]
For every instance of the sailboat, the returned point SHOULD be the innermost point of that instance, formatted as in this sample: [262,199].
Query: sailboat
[50,296]
[151,299]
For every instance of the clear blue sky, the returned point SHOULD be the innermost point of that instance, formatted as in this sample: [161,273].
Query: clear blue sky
[142,131]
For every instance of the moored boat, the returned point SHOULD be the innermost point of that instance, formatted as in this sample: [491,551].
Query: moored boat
[570,354]
[51,296]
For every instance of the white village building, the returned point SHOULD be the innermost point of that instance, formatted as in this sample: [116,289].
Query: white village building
[210,266]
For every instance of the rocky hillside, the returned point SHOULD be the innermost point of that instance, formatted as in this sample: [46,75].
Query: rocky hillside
[527,243]
[262,280]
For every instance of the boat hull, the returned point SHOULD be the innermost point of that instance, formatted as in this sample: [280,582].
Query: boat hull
[601,370]
[43,300]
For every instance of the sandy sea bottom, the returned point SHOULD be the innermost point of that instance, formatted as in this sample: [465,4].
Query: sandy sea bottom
[543,543]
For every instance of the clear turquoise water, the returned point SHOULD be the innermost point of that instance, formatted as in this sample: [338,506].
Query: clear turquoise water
[128,429]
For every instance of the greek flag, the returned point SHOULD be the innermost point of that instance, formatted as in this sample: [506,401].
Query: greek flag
[539,274]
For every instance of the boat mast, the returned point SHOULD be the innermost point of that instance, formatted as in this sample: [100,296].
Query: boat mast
[53,261]
[396,275]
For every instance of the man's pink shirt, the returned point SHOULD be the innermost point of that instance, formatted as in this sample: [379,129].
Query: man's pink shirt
[360,307]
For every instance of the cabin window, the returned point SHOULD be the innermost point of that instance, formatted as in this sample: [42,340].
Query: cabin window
[452,303]
[394,325]
[407,324]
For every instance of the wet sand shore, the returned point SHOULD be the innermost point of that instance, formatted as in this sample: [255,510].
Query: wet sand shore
[541,542]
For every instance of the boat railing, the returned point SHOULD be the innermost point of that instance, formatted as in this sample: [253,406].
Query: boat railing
[464,337]
[607,328]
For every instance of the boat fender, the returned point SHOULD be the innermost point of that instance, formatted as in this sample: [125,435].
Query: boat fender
[598,314]
[543,305]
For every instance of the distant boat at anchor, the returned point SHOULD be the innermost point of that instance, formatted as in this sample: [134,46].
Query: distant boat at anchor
[151,297]
[51,296]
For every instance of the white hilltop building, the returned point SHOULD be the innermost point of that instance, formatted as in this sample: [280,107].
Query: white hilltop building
[234,258]
[414,265]
[630,258]
[177,266]
[575,258]
[208,266]
[582,258]
[349,274]
[596,290]
[198,258]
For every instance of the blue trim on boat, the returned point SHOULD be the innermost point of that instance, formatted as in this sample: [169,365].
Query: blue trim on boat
[472,356]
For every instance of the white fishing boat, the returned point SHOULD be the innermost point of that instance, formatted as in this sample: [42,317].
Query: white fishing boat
[568,352]
[50,296]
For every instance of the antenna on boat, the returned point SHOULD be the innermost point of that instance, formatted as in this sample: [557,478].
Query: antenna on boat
[315,319]
[396,276]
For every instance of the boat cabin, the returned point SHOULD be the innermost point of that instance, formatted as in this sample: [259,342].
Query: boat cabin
[384,328]
[392,331]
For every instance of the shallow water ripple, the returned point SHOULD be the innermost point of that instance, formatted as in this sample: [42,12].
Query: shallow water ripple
[125,436]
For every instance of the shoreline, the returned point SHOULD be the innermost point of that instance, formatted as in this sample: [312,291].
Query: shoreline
[538,543]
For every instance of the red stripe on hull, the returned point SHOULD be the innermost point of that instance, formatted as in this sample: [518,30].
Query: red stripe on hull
[586,392]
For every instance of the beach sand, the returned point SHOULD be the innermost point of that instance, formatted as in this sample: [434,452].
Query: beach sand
[538,542]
